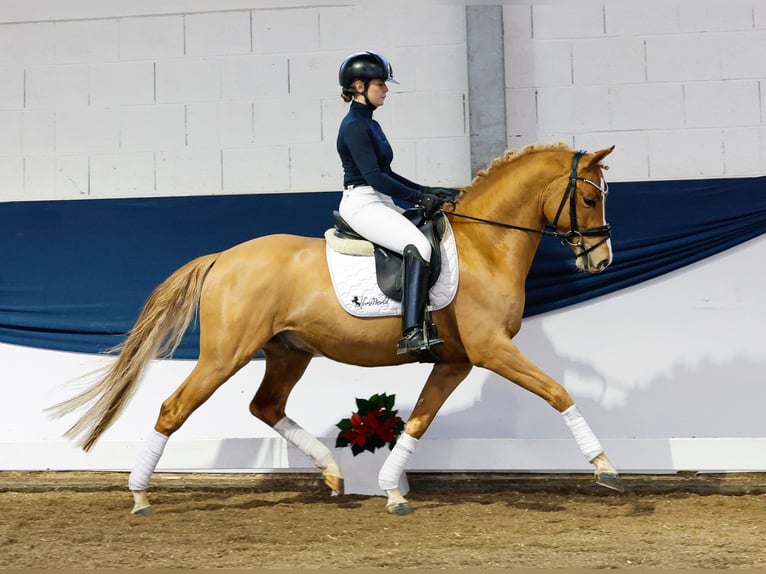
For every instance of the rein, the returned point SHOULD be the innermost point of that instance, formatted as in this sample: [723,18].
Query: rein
[572,237]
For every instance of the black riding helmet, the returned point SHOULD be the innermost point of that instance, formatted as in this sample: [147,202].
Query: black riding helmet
[364,66]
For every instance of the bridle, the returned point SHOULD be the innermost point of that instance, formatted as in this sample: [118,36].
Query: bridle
[574,237]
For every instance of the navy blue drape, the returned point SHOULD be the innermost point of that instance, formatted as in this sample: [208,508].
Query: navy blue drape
[75,274]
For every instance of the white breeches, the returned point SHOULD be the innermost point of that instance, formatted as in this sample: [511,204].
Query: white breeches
[376,217]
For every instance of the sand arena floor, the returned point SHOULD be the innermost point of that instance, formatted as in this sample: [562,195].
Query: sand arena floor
[82,521]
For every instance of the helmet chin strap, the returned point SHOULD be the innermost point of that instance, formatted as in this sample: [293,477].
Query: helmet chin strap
[364,95]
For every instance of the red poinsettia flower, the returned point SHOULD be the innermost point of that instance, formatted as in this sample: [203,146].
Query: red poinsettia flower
[373,426]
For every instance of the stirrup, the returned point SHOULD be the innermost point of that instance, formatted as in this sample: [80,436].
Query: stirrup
[416,342]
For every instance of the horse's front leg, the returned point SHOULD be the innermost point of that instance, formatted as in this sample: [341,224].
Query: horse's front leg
[508,361]
[444,378]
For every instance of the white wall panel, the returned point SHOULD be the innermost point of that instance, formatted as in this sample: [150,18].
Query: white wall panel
[122,83]
[559,20]
[83,130]
[538,64]
[228,124]
[12,173]
[286,31]
[247,78]
[56,176]
[159,126]
[424,115]
[429,68]
[188,80]
[151,38]
[646,106]
[641,18]
[315,74]
[742,150]
[436,163]
[316,164]
[27,44]
[406,159]
[759,15]
[340,28]
[56,87]
[256,169]
[86,41]
[681,58]
[290,119]
[521,114]
[609,61]
[722,104]
[10,135]
[517,21]
[11,87]
[573,109]
[190,171]
[122,174]
[738,55]
[697,153]
[438,24]
[38,131]
[218,33]
[715,16]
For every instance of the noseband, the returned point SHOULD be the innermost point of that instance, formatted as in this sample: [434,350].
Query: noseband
[573,237]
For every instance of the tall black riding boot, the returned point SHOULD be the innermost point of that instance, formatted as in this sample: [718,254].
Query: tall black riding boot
[415,333]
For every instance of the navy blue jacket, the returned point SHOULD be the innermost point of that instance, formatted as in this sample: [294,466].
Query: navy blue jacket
[366,156]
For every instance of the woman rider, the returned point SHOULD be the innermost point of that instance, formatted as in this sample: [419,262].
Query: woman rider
[370,186]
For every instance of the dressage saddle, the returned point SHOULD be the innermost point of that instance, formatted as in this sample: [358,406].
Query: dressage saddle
[389,264]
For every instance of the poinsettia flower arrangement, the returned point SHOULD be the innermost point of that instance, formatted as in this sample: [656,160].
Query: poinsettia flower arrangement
[374,425]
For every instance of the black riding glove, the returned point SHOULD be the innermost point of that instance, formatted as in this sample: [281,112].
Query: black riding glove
[444,193]
[430,203]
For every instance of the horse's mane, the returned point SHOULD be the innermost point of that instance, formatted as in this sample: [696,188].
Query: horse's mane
[514,154]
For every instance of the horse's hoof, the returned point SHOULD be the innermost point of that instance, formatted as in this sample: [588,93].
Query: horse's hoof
[399,508]
[143,510]
[335,483]
[610,480]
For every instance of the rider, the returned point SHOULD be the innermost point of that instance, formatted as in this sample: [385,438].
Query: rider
[370,186]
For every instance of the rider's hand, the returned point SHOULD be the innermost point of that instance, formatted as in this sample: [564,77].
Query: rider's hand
[431,203]
[444,193]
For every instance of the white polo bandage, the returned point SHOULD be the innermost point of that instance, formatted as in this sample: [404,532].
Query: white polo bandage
[392,469]
[303,441]
[147,461]
[586,440]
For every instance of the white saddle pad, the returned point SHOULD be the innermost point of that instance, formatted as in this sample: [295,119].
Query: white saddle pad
[353,277]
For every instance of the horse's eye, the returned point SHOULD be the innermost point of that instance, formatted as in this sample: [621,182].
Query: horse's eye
[589,201]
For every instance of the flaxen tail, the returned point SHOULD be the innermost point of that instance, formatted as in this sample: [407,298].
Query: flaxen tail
[158,332]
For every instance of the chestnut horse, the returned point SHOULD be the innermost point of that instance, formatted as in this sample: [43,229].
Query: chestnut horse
[274,294]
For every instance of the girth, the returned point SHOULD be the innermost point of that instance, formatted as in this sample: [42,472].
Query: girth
[388,263]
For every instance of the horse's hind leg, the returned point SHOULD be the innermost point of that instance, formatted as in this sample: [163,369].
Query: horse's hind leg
[206,377]
[444,378]
[284,367]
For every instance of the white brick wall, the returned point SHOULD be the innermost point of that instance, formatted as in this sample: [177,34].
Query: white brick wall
[677,85]
[123,101]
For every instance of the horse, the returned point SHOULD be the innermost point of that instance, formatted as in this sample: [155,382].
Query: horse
[273,294]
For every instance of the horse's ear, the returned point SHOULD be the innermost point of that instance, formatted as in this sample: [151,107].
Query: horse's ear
[596,157]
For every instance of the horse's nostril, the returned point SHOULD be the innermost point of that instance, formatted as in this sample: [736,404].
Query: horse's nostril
[603,264]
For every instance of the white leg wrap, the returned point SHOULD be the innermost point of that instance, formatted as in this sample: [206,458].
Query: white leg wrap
[586,440]
[303,441]
[392,469]
[147,461]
